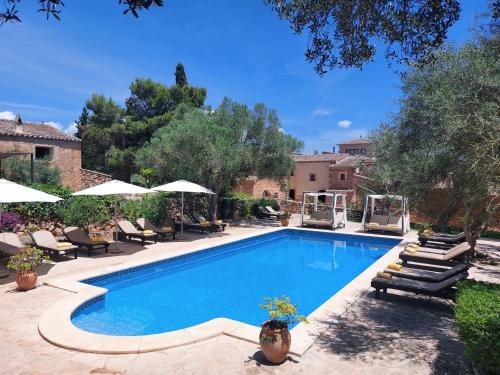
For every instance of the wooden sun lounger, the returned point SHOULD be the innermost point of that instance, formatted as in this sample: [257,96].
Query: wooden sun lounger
[448,259]
[145,224]
[265,214]
[44,240]
[442,289]
[273,211]
[10,243]
[442,237]
[426,275]
[198,219]
[128,229]
[79,238]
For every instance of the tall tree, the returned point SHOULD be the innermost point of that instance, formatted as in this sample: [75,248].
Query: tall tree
[447,130]
[345,33]
[214,148]
[113,134]
[180,75]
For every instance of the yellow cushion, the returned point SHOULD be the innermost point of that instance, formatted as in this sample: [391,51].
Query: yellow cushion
[384,275]
[218,221]
[204,223]
[372,223]
[64,244]
[394,266]
[97,239]
[166,228]
[148,231]
[411,250]
[414,245]
[393,225]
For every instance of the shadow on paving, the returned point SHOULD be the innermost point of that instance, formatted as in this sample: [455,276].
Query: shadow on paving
[398,328]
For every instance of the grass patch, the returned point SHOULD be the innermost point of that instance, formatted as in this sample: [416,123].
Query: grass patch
[477,313]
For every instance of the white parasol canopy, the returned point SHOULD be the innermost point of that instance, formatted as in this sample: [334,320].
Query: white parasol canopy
[10,192]
[114,187]
[183,186]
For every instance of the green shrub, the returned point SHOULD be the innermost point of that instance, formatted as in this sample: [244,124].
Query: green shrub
[19,170]
[131,209]
[82,211]
[477,313]
[45,211]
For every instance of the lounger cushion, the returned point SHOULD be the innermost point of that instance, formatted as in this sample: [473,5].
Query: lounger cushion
[449,255]
[45,239]
[10,243]
[426,275]
[128,228]
[417,286]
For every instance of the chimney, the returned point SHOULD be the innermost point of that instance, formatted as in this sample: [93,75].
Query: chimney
[19,124]
[333,149]
[315,152]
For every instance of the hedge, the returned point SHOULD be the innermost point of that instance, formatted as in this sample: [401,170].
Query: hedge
[477,313]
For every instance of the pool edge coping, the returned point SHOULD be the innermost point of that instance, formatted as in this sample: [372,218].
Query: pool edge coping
[56,327]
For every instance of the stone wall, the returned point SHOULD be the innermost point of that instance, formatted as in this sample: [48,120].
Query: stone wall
[260,188]
[92,178]
[66,155]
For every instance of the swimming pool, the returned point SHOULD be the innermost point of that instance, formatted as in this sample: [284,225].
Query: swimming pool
[228,281]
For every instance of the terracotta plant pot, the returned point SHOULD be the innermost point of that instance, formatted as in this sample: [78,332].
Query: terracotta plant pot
[275,343]
[26,280]
[284,222]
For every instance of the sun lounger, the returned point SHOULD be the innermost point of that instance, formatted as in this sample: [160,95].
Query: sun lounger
[448,258]
[262,213]
[164,232]
[10,243]
[426,275]
[128,229]
[45,241]
[217,225]
[442,288]
[79,238]
[319,219]
[273,211]
[441,237]
[189,225]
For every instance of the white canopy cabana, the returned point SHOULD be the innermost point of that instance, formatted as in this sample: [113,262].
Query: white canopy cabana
[114,187]
[399,223]
[183,186]
[338,213]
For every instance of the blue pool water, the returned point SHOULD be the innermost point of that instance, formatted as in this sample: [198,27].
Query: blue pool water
[229,281]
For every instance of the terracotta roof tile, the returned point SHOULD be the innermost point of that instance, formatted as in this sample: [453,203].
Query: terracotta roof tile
[34,130]
[356,141]
[351,161]
[328,157]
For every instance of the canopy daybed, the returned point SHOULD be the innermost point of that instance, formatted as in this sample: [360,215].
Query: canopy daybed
[380,220]
[331,219]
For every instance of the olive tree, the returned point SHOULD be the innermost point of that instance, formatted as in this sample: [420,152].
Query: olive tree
[215,147]
[447,132]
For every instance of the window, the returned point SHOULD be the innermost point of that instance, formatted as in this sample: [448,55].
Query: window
[44,153]
[312,177]
[291,194]
[342,176]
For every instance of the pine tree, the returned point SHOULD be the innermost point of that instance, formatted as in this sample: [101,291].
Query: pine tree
[180,75]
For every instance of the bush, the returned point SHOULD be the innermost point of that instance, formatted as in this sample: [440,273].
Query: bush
[19,170]
[82,211]
[9,221]
[45,211]
[478,318]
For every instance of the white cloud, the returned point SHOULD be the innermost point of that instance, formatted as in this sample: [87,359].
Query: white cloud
[322,112]
[7,115]
[71,129]
[344,124]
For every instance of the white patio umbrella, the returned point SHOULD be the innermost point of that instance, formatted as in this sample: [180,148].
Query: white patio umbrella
[114,187]
[183,186]
[10,192]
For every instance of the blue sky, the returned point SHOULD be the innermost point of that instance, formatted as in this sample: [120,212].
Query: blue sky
[234,48]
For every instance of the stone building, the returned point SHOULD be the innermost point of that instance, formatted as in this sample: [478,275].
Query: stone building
[315,172]
[359,146]
[56,148]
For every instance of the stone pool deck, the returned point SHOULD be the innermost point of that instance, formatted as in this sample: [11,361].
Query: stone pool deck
[398,334]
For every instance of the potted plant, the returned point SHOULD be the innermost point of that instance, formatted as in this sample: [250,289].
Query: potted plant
[274,338]
[285,219]
[24,264]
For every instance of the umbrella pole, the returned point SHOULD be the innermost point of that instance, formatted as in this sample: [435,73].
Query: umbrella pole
[115,232]
[3,274]
[182,214]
